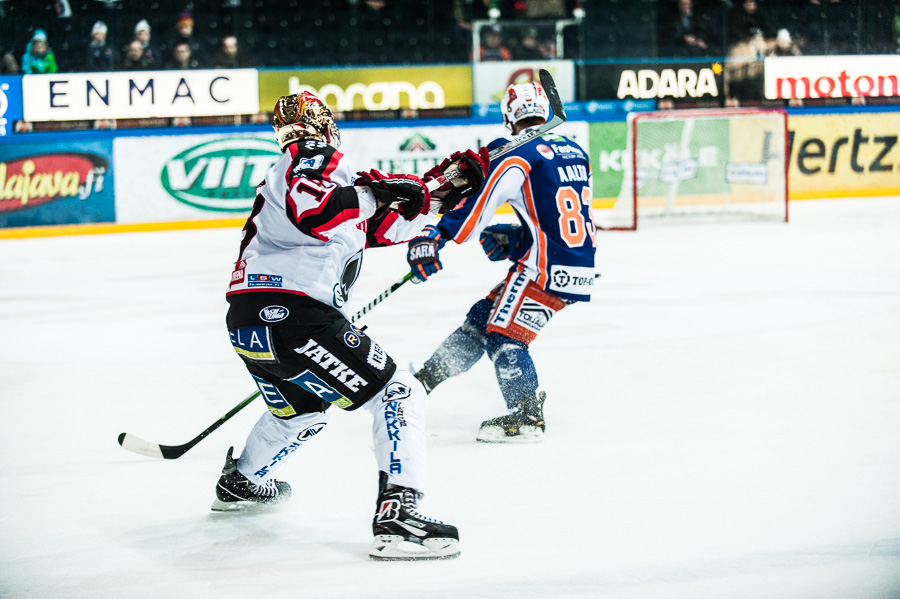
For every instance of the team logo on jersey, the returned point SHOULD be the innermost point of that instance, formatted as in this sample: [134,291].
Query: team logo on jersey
[314,163]
[348,278]
[256,280]
[275,401]
[533,315]
[311,383]
[377,357]
[572,279]
[352,339]
[545,151]
[254,343]
[310,432]
[274,313]
[395,392]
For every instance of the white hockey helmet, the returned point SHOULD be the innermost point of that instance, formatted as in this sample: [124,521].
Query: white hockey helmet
[523,100]
[304,115]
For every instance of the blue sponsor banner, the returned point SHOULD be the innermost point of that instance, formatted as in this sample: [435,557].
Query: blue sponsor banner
[10,103]
[56,183]
[575,111]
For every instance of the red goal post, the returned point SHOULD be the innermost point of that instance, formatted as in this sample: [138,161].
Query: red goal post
[710,164]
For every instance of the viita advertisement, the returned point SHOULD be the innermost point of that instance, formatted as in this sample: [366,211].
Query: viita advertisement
[190,177]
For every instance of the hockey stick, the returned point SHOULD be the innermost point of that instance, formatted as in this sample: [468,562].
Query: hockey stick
[171,452]
[559,117]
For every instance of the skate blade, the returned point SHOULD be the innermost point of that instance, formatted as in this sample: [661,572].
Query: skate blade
[496,434]
[243,506]
[396,548]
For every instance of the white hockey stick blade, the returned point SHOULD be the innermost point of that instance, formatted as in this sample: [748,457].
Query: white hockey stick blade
[138,445]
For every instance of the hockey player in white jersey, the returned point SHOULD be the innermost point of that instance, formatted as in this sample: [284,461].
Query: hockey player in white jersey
[301,252]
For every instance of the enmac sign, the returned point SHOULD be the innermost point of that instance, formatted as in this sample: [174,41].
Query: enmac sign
[832,76]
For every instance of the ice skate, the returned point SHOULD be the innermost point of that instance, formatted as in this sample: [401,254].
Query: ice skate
[234,491]
[401,533]
[525,424]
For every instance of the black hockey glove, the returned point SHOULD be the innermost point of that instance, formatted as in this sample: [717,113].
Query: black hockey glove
[472,169]
[499,241]
[405,194]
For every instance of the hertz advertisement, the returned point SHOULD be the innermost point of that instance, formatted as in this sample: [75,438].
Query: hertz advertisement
[845,155]
[375,89]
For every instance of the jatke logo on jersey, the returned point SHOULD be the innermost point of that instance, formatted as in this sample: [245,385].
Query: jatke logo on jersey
[337,369]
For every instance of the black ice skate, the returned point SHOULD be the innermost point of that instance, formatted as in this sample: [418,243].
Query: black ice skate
[234,491]
[401,533]
[525,424]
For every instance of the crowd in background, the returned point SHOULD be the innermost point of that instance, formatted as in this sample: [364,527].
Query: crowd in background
[100,35]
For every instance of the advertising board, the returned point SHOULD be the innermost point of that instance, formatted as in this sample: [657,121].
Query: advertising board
[10,103]
[140,94]
[373,89]
[492,78]
[646,81]
[56,184]
[845,155]
[845,76]
[190,177]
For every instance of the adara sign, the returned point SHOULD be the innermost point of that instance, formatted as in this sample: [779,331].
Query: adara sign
[645,82]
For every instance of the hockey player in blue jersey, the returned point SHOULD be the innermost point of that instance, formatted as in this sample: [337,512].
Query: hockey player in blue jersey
[547,183]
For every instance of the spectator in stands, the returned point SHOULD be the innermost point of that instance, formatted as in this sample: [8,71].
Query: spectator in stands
[492,48]
[182,58]
[784,45]
[184,34]
[8,63]
[135,58]
[230,56]
[143,34]
[684,31]
[38,57]
[99,55]
[745,22]
[528,48]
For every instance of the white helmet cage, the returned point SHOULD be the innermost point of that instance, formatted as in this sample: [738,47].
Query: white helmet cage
[523,100]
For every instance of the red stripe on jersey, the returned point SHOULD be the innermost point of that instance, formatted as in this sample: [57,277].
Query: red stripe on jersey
[332,164]
[266,290]
[341,217]
[384,224]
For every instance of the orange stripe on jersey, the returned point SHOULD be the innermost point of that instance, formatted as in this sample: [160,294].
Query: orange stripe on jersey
[469,224]
[540,241]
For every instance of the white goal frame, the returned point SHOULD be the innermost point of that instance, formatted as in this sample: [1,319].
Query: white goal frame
[630,191]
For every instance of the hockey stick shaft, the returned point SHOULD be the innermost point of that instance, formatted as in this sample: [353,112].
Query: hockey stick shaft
[559,117]
[171,452]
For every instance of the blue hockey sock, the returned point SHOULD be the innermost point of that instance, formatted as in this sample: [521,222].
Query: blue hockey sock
[515,370]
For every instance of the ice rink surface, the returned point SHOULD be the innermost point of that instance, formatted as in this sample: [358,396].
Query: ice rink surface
[723,422]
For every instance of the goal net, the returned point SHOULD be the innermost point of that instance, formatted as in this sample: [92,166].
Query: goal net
[703,164]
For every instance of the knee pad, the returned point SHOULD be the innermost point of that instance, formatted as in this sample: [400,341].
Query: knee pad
[479,313]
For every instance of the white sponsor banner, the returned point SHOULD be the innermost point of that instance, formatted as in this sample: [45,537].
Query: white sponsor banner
[209,177]
[416,149]
[140,94]
[492,78]
[832,76]
[189,177]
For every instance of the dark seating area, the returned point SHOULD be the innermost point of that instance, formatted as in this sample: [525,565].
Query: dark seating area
[348,32]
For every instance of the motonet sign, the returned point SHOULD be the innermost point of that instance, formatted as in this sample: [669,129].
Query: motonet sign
[803,77]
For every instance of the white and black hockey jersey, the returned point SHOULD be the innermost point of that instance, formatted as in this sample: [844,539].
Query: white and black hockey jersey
[309,226]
